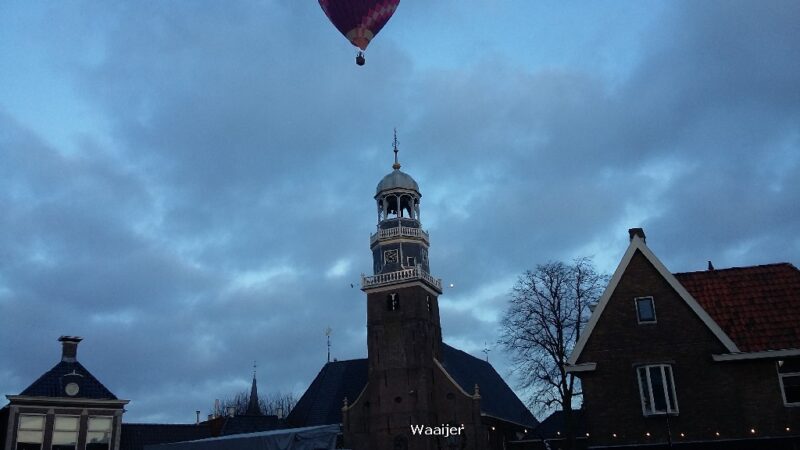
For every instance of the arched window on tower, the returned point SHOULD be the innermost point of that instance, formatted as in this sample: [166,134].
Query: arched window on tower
[393,302]
[407,206]
[390,205]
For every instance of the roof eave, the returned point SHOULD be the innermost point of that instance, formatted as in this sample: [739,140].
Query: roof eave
[31,400]
[583,367]
[764,354]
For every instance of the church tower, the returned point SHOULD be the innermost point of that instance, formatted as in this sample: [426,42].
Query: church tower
[404,338]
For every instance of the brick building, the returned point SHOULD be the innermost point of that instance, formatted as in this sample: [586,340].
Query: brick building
[66,408]
[702,359]
[410,377]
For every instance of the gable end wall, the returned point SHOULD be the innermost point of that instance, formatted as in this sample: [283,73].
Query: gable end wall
[712,396]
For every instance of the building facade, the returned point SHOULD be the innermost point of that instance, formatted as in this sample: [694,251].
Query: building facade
[408,384]
[704,358]
[66,408]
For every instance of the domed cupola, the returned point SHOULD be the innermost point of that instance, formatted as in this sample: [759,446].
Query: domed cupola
[400,245]
[397,179]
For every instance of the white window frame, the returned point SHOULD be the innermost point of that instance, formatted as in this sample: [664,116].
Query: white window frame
[664,368]
[110,429]
[77,430]
[19,428]
[639,316]
[781,376]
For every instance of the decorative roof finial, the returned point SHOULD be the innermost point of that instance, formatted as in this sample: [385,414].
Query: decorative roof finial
[396,165]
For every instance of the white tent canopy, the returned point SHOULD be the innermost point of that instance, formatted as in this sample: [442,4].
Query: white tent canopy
[308,438]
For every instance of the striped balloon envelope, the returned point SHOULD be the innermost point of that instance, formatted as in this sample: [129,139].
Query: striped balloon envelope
[359,20]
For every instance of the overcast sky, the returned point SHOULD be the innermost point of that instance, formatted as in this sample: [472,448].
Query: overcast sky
[188,184]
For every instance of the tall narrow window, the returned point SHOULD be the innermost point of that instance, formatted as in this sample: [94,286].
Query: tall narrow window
[645,310]
[789,377]
[393,302]
[657,389]
[412,261]
[65,432]
[30,432]
[98,435]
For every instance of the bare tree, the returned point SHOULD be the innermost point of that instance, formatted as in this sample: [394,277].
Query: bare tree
[272,404]
[547,311]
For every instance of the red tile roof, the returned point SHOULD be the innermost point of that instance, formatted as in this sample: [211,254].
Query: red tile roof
[758,307]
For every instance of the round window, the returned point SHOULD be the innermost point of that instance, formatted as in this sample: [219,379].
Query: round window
[72,389]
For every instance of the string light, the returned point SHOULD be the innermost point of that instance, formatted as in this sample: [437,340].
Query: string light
[788,429]
[683,435]
[613,434]
[647,434]
[587,434]
[717,433]
[752,431]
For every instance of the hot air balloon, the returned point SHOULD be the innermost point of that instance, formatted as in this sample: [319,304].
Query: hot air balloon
[359,20]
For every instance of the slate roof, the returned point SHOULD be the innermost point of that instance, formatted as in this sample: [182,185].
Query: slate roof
[758,307]
[52,383]
[136,435]
[554,423]
[250,424]
[497,399]
[322,402]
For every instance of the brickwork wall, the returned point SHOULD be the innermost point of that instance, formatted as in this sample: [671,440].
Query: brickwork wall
[730,398]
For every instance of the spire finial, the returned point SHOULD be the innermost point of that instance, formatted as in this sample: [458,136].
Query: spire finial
[396,165]
[254,368]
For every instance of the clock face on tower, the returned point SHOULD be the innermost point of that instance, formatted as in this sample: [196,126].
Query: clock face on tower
[390,257]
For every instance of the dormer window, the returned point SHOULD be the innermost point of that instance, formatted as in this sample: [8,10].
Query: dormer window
[411,261]
[645,310]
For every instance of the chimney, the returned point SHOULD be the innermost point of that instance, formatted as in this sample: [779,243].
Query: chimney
[198,417]
[710,266]
[69,348]
[632,232]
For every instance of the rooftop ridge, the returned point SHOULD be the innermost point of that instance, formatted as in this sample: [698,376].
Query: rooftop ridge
[738,268]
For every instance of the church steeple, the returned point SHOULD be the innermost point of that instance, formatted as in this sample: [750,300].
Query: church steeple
[400,245]
[404,337]
[253,409]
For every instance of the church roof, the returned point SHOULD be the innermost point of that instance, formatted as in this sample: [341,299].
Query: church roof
[397,179]
[497,399]
[54,381]
[322,402]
